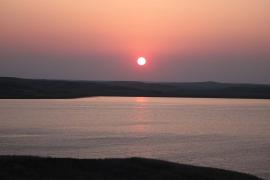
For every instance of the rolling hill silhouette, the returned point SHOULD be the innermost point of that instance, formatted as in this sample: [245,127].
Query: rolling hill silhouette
[38,88]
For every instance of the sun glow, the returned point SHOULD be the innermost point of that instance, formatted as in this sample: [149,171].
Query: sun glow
[141,61]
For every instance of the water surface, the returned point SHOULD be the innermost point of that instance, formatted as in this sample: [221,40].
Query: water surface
[225,133]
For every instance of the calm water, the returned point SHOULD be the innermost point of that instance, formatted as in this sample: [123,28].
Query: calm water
[226,133]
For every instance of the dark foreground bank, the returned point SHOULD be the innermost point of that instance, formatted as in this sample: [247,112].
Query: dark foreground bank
[36,168]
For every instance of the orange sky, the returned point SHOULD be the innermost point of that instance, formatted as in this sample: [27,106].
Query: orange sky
[151,28]
[134,26]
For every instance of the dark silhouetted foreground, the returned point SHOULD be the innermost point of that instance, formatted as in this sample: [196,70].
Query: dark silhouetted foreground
[35,168]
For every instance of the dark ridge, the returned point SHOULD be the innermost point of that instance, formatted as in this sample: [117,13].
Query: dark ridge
[17,88]
[36,168]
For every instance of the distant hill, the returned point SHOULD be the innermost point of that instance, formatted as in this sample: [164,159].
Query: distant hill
[17,88]
[36,168]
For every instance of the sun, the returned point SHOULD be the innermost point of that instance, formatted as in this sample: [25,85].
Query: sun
[141,61]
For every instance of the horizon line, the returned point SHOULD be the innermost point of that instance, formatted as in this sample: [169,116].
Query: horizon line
[165,82]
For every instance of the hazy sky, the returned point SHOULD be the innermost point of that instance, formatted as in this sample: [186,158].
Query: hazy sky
[183,40]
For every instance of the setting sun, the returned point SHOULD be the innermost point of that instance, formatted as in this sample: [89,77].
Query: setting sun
[141,61]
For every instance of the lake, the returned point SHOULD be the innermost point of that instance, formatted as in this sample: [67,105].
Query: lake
[232,134]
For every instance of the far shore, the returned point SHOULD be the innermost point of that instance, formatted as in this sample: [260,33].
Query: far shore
[18,88]
[41,168]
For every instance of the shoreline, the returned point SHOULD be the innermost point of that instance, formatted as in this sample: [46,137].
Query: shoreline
[187,97]
[18,88]
[34,167]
